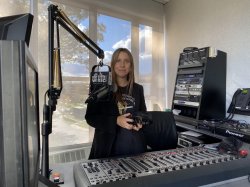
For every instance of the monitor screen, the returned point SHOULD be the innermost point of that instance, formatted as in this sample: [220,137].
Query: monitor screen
[32,121]
[16,27]
[19,116]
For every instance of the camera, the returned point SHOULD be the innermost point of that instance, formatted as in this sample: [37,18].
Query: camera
[142,118]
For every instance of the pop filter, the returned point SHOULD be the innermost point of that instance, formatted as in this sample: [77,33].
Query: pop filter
[100,87]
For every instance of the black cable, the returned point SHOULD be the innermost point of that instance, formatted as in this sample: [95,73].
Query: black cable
[231,112]
[232,106]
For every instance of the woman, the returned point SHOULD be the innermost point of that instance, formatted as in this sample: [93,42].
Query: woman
[115,133]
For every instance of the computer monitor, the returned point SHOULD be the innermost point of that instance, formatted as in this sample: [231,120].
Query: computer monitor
[19,116]
[32,99]
[16,27]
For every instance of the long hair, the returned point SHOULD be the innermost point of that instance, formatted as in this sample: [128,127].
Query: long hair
[130,77]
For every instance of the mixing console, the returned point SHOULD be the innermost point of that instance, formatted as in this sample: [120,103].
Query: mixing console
[115,169]
[228,128]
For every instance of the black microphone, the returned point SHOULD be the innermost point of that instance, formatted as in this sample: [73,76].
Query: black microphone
[100,84]
[101,93]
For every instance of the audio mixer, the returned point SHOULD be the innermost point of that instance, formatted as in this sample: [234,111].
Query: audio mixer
[151,163]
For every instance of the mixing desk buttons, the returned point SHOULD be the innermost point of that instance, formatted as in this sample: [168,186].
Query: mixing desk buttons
[111,170]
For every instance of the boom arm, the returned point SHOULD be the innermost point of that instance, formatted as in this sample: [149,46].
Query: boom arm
[59,17]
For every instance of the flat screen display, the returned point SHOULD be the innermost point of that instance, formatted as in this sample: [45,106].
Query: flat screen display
[19,116]
[32,124]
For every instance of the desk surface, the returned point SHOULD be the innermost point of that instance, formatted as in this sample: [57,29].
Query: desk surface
[202,131]
[196,176]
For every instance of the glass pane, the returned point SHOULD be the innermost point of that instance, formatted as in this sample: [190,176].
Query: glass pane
[117,33]
[145,61]
[9,8]
[69,126]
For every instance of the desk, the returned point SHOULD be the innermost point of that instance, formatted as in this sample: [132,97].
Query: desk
[202,131]
[225,174]
[200,173]
[196,176]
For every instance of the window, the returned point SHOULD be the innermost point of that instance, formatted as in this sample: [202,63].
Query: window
[111,32]
[68,125]
[9,8]
[117,34]
[145,61]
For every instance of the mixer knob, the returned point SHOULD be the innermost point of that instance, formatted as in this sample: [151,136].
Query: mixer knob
[176,167]
[191,165]
[89,170]
[133,175]
[118,170]
[109,171]
[231,158]
[96,168]
[90,164]
[197,163]
[129,176]
[183,166]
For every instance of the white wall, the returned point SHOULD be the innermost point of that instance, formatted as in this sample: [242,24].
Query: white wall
[223,24]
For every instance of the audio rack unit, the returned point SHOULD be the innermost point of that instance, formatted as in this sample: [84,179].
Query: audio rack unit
[200,88]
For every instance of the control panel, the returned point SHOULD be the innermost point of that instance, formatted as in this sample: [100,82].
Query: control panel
[151,163]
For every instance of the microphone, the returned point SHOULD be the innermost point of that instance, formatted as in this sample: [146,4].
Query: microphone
[100,84]
[99,94]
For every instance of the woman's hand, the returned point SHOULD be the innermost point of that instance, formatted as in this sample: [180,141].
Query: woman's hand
[125,121]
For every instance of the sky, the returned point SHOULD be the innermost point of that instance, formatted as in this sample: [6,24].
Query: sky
[116,30]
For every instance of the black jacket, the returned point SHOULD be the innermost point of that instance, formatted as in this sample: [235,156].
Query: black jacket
[102,116]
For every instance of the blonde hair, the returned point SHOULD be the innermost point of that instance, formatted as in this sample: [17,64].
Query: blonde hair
[130,77]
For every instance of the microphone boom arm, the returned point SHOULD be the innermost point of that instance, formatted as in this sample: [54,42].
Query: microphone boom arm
[53,93]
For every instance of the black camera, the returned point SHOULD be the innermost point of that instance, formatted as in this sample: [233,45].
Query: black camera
[142,118]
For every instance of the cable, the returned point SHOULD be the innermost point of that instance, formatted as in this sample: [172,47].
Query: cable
[232,106]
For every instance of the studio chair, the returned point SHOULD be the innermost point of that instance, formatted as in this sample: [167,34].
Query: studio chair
[161,134]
